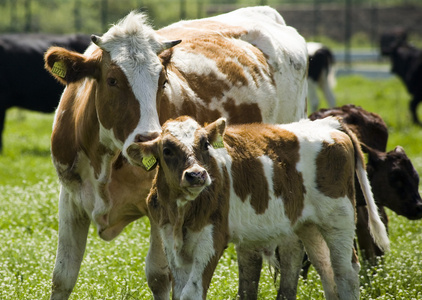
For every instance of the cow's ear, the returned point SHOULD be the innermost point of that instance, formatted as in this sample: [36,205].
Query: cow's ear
[215,132]
[374,156]
[69,66]
[144,154]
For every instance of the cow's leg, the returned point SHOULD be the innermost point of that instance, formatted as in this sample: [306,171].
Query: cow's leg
[156,266]
[249,264]
[290,256]
[328,92]
[313,95]
[319,255]
[2,120]
[338,232]
[413,110]
[73,231]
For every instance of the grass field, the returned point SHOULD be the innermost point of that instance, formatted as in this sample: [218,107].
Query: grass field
[115,270]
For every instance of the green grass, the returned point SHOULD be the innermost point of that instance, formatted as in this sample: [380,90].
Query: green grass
[115,270]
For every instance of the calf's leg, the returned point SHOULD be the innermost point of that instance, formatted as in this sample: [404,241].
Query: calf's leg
[339,233]
[319,255]
[73,232]
[156,266]
[249,264]
[290,255]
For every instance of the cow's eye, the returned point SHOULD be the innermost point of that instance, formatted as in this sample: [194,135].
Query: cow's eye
[167,152]
[164,83]
[111,81]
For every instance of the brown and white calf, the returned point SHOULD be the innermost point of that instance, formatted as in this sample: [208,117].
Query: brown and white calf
[247,66]
[259,186]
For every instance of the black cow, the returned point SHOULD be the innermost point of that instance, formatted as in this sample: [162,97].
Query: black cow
[23,80]
[406,63]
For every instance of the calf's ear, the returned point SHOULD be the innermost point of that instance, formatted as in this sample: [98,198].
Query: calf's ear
[69,66]
[215,132]
[144,154]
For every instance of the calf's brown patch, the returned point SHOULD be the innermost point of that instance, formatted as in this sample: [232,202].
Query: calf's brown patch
[283,148]
[335,167]
[249,143]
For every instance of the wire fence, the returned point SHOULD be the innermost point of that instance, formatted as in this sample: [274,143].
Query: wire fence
[340,20]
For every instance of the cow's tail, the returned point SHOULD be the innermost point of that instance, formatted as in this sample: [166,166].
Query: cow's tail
[376,226]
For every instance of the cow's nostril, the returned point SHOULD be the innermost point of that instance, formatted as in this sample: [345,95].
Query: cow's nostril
[195,177]
[146,137]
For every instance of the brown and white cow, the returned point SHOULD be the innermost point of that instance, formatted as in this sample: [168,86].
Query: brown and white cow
[247,66]
[394,180]
[259,186]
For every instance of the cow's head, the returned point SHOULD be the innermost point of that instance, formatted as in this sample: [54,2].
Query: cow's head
[184,151]
[128,75]
[391,40]
[395,182]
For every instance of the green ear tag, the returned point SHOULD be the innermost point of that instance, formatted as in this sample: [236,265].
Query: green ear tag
[218,142]
[59,68]
[148,161]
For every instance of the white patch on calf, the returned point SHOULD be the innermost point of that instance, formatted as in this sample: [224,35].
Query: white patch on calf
[198,248]
[184,131]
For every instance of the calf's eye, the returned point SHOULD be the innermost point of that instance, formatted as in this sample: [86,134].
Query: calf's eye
[111,81]
[167,152]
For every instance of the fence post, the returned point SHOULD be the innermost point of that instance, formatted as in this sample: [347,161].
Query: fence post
[347,33]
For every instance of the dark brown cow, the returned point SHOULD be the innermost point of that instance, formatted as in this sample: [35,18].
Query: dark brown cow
[247,66]
[394,180]
[262,187]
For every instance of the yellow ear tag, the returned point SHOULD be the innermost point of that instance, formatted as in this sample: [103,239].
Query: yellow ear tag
[59,68]
[218,142]
[148,161]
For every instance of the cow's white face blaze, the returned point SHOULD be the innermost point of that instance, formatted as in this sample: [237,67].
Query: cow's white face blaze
[133,47]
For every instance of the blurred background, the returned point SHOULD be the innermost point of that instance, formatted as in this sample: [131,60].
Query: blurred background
[339,24]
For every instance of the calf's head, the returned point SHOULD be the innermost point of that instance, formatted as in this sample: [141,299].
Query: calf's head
[184,152]
[395,182]
[122,73]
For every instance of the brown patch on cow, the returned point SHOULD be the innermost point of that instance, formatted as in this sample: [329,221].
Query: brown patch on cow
[335,165]
[214,40]
[283,148]
[248,172]
[207,89]
[237,113]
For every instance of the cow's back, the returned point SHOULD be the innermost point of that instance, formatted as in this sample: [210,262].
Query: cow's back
[255,68]
[283,168]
